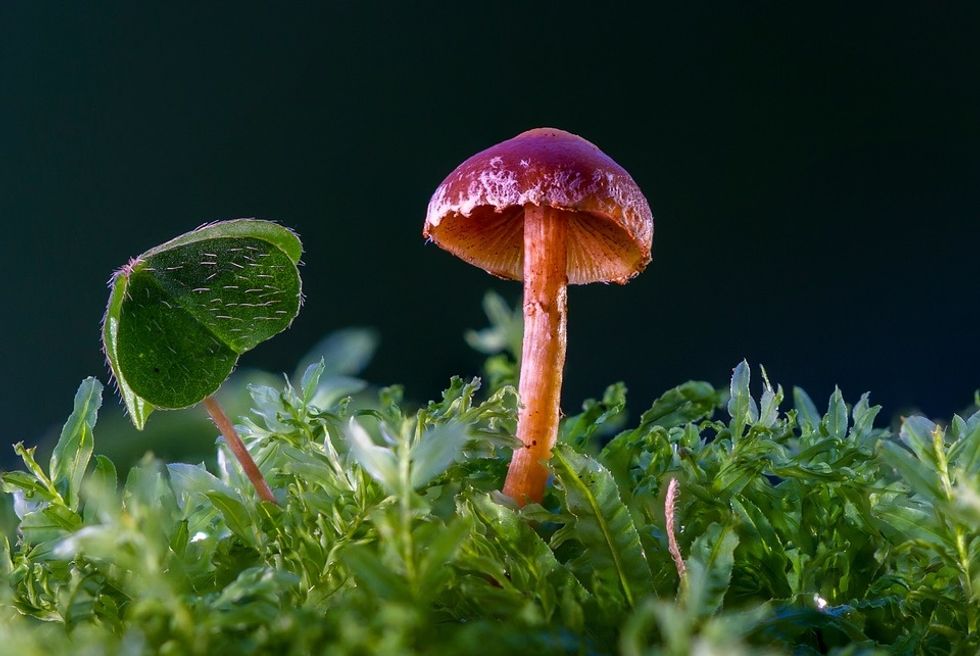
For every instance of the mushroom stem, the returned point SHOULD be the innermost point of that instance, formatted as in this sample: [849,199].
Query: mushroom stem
[237,447]
[543,357]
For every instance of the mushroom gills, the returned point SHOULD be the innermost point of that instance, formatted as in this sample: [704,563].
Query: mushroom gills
[598,250]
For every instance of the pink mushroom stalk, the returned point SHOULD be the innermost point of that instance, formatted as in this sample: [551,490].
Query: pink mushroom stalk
[548,208]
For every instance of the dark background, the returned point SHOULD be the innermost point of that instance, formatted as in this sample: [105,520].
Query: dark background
[814,175]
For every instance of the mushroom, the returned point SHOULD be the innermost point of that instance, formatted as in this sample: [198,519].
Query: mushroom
[551,209]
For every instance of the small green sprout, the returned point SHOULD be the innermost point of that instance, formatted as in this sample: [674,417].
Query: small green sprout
[181,314]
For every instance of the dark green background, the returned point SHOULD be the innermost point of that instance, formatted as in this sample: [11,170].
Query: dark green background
[814,174]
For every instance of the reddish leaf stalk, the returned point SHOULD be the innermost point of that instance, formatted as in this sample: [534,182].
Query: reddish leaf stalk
[237,447]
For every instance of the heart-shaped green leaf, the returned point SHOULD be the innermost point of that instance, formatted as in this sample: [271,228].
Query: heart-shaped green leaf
[180,314]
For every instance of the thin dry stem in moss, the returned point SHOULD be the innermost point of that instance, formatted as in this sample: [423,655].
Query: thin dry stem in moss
[670,507]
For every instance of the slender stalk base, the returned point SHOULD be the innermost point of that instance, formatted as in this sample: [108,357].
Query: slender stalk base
[543,358]
[227,429]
